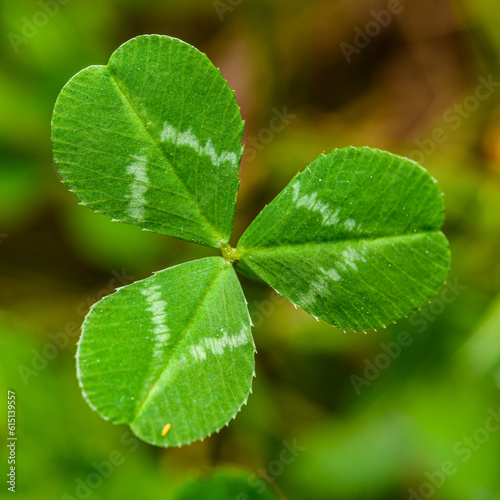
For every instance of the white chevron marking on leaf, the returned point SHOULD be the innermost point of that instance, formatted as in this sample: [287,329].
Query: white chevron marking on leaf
[139,188]
[157,307]
[170,134]
[311,202]
[217,345]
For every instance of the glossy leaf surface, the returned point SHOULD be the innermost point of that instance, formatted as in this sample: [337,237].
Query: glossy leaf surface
[172,355]
[153,139]
[354,239]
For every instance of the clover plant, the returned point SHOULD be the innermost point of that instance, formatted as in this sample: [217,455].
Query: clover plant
[154,139]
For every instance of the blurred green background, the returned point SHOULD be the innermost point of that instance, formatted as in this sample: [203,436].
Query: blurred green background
[418,422]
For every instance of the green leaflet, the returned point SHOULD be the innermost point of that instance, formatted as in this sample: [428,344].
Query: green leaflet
[174,349]
[228,484]
[354,239]
[153,139]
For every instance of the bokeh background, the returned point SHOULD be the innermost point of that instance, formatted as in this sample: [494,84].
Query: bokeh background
[368,426]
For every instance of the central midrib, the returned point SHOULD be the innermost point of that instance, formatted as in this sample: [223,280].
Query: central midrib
[278,246]
[116,81]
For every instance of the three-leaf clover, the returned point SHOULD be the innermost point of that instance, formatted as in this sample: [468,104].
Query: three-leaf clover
[155,139]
